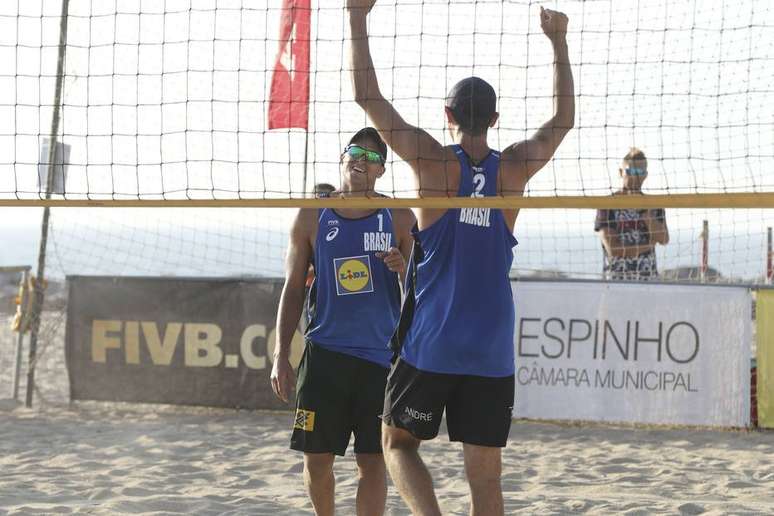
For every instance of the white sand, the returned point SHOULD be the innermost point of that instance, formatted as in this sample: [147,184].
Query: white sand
[143,459]
[139,460]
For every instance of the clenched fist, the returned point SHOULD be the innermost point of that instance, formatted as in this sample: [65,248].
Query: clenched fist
[553,23]
[393,260]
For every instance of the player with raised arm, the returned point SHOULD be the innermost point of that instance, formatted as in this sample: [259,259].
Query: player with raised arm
[455,339]
[359,256]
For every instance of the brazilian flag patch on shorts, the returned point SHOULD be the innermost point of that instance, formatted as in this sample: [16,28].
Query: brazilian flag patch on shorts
[304,420]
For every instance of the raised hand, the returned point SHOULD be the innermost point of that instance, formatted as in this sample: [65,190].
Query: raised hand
[553,23]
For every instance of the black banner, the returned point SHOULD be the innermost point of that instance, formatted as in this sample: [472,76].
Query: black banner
[173,340]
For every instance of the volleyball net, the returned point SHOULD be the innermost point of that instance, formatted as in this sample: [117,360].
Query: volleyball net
[246,104]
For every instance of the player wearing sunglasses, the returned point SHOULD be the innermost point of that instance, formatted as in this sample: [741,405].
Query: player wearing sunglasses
[629,236]
[359,258]
[358,153]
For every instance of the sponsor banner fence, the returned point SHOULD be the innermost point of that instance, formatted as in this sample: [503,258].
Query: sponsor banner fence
[639,353]
[764,316]
[173,340]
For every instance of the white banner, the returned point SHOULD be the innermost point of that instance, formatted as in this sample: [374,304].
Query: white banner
[639,353]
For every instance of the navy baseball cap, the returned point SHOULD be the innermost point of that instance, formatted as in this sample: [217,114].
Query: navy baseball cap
[473,102]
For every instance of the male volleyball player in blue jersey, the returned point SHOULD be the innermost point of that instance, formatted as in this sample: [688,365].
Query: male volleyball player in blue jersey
[354,302]
[456,344]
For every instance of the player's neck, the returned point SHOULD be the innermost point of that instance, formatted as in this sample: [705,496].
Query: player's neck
[355,213]
[348,191]
[475,147]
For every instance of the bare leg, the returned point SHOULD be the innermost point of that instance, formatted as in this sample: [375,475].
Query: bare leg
[372,484]
[408,472]
[483,466]
[320,483]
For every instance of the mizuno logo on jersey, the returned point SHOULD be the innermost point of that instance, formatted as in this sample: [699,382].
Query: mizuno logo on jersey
[377,241]
[475,216]
[353,275]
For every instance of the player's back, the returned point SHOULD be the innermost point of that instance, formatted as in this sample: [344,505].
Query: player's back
[463,316]
[440,177]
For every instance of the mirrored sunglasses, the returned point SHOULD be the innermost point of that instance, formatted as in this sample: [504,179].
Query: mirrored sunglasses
[636,171]
[359,153]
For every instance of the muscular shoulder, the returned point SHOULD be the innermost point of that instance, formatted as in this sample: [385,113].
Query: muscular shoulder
[305,224]
[403,221]
[450,160]
[307,217]
[403,218]
[435,173]
[513,172]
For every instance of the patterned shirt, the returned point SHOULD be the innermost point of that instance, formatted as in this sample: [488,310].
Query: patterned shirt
[632,230]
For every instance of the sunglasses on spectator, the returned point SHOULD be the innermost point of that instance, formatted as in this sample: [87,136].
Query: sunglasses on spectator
[359,153]
[636,171]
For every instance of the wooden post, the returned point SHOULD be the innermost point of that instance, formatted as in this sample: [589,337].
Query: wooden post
[769,258]
[20,337]
[704,251]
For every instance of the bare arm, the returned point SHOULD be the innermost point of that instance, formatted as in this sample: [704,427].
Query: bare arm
[397,257]
[531,155]
[291,303]
[412,144]
[659,233]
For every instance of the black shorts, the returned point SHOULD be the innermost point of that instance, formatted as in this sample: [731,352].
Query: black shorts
[337,395]
[478,408]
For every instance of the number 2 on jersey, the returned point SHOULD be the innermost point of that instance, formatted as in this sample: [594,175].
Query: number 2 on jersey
[479,180]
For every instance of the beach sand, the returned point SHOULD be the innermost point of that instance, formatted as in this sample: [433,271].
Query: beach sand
[99,458]
[110,459]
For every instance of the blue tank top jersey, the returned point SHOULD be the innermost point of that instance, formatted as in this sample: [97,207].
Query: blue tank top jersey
[354,301]
[463,320]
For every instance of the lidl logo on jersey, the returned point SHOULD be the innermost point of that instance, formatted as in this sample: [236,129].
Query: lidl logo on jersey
[353,275]
[304,420]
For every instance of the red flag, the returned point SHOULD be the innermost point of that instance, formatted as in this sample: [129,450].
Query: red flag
[289,97]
